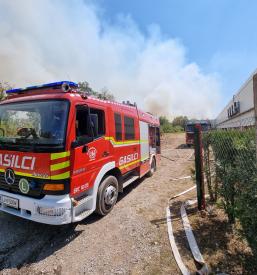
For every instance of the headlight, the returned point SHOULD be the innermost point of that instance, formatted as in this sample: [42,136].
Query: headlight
[47,211]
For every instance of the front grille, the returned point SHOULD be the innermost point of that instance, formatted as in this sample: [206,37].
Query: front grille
[35,191]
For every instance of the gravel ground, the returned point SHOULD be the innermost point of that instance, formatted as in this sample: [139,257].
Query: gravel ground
[132,239]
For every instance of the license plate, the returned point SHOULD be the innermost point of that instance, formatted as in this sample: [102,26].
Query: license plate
[11,202]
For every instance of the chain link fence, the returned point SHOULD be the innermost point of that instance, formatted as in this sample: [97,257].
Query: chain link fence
[231,174]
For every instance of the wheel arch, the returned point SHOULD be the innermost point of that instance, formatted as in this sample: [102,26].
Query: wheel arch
[117,174]
[108,169]
[153,156]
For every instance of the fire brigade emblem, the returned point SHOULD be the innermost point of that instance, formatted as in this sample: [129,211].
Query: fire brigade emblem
[92,153]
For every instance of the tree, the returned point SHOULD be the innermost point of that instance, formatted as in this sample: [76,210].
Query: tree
[84,87]
[180,121]
[164,120]
[168,127]
[104,94]
[3,87]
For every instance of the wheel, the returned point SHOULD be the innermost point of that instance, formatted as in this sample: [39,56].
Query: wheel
[152,169]
[107,195]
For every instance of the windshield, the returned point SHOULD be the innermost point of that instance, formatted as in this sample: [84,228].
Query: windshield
[205,127]
[34,122]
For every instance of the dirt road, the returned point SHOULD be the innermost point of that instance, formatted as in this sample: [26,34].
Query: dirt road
[132,239]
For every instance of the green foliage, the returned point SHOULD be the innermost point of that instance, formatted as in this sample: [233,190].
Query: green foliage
[164,120]
[208,168]
[168,127]
[3,87]
[104,94]
[233,175]
[180,121]
[84,87]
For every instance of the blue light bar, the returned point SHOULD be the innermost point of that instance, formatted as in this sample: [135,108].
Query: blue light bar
[48,85]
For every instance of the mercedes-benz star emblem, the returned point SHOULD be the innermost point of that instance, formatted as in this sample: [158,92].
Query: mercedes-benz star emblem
[9,176]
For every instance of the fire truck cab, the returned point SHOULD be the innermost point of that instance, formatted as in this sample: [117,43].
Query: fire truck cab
[64,155]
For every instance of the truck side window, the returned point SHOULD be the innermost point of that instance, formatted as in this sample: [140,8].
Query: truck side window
[129,128]
[90,124]
[152,136]
[118,126]
[83,129]
[98,122]
[158,140]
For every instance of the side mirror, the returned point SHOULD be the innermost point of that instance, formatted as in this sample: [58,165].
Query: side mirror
[81,141]
[74,144]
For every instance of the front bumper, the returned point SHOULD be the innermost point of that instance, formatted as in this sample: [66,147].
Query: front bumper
[29,208]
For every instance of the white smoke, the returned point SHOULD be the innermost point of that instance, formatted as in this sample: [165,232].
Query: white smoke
[44,41]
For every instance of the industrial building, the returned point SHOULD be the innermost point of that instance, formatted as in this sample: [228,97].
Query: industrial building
[239,112]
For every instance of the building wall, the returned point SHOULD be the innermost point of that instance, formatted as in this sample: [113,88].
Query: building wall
[246,115]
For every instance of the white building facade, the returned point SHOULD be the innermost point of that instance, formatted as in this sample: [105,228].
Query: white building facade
[239,112]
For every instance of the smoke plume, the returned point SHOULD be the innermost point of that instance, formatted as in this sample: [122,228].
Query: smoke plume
[44,41]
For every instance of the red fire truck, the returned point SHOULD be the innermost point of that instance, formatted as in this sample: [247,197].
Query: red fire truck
[64,155]
[205,126]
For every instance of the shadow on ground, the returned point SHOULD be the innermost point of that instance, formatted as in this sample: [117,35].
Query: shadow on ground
[216,240]
[185,146]
[23,242]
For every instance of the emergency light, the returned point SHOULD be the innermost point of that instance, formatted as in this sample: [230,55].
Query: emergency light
[63,84]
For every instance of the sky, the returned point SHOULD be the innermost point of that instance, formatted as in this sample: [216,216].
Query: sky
[220,36]
[171,57]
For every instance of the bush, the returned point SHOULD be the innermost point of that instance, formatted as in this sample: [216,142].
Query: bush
[232,175]
[168,127]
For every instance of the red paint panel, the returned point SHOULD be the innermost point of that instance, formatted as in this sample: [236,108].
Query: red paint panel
[144,168]
[30,163]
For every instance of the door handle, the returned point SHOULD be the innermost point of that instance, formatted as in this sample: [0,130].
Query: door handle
[106,154]
[85,149]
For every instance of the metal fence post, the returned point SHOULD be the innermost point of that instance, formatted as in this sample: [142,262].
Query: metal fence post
[255,108]
[199,166]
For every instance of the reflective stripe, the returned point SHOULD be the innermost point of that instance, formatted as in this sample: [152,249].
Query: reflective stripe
[60,155]
[145,158]
[59,166]
[126,142]
[30,175]
[129,164]
[122,143]
[55,177]
[62,176]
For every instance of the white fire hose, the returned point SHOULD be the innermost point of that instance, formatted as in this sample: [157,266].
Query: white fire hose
[190,237]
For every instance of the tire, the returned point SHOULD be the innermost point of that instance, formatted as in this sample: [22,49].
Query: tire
[152,169]
[107,195]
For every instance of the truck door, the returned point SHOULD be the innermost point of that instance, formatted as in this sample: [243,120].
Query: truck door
[90,149]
